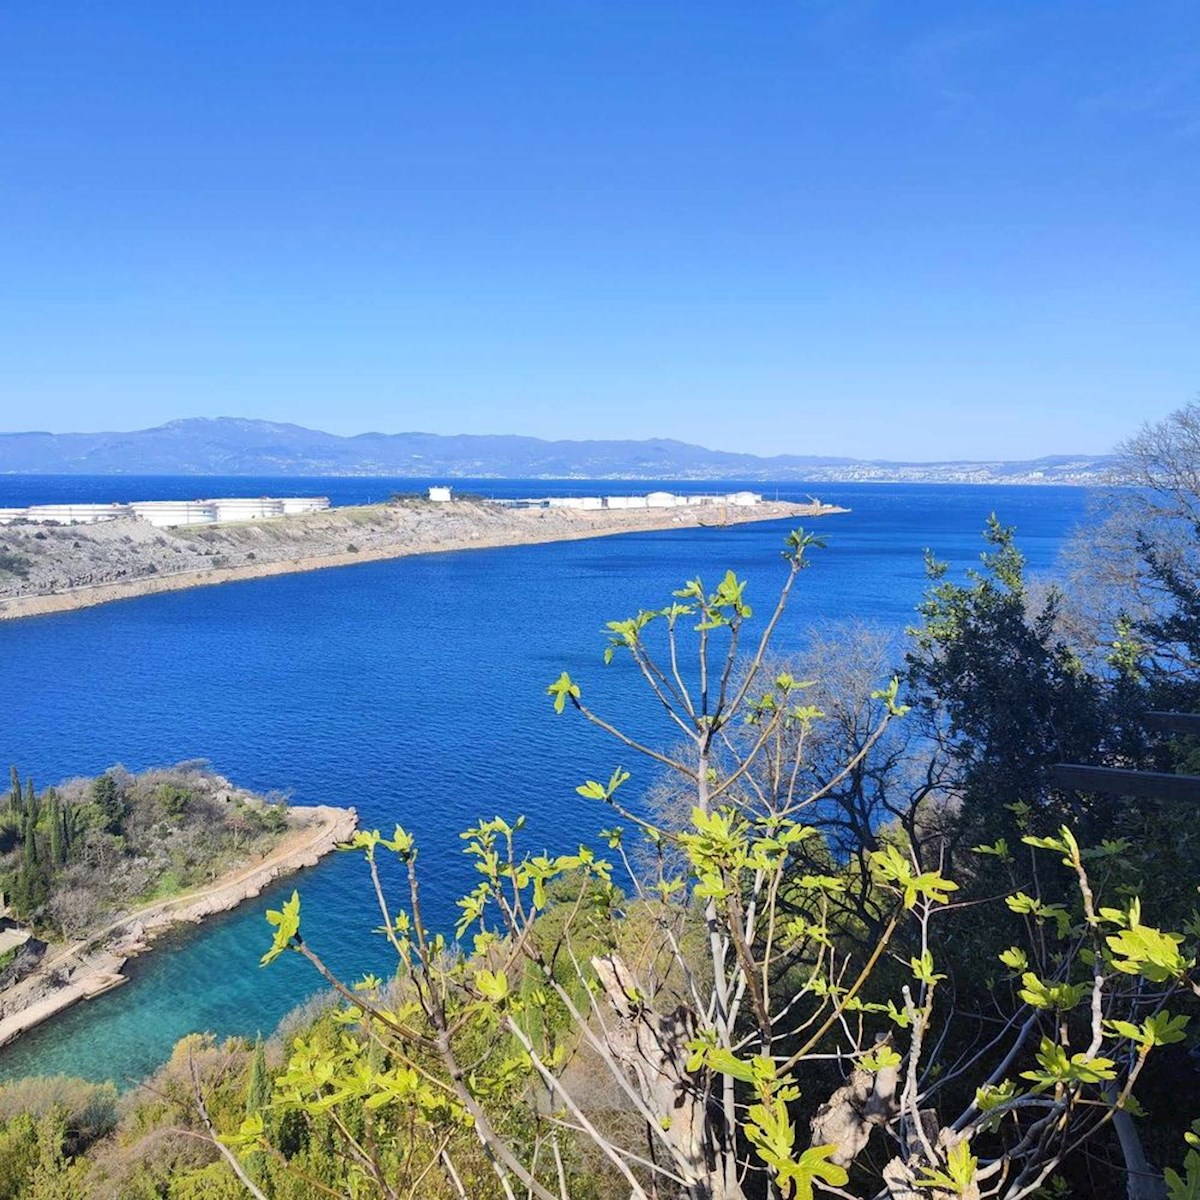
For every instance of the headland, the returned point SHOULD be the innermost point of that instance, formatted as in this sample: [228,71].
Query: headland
[83,969]
[50,569]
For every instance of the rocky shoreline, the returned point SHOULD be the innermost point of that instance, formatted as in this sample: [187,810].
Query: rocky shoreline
[58,569]
[66,975]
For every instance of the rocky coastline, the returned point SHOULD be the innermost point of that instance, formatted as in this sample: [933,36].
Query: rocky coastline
[65,975]
[57,569]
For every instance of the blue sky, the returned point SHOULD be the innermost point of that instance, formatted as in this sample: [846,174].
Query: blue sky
[883,229]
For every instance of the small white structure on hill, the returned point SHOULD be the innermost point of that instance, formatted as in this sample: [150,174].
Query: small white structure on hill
[440,495]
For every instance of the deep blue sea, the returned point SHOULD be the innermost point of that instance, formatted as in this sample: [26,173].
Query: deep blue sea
[412,689]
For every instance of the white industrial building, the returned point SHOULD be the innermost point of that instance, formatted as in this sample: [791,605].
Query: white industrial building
[72,514]
[304,504]
[653,500]
[590,503]
[672,500]
[165,514]
[247,508]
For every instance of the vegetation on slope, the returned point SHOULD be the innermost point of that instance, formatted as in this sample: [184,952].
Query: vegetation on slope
[74,855]
[861,945]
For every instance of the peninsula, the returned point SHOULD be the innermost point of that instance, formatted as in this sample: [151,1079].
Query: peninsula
[49,568]
[95,870]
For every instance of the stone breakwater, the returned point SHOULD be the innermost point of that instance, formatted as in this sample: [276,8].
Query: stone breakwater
[68,974]
[56,569]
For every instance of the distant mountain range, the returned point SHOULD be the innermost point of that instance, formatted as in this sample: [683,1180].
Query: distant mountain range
[235,446]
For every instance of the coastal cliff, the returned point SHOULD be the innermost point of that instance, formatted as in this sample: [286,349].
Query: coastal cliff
[46,569]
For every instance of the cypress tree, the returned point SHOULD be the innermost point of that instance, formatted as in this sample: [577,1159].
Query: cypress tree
[29,848]
[108,800]
[258,1092]
[67,819]
[58,854]
[14,797]
[258,1098]
[31,801]
[19,900]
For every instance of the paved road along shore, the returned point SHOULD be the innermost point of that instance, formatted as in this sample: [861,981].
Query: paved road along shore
[73,567]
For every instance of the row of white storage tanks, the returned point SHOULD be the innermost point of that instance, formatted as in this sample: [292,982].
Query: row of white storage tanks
[164,514]
[654,500]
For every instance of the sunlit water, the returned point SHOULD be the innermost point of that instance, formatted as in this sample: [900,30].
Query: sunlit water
[415,691]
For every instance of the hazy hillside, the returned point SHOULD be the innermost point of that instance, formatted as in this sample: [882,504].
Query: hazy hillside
[234,446]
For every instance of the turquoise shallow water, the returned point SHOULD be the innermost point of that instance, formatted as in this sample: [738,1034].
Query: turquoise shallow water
[414,690]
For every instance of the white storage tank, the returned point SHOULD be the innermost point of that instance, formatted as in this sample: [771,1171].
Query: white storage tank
[247,508]
[590,502]
[73,514]
[440,495]
[661,500]
[744,499]
[165,514]
[8,515]
[304,504]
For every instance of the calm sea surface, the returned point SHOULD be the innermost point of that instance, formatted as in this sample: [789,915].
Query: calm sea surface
[413,690]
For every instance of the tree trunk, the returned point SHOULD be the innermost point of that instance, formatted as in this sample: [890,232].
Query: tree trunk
[1142,1182]
[652,1047]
